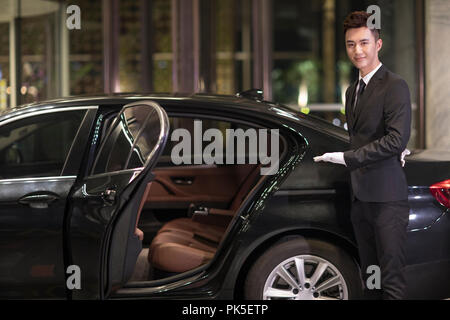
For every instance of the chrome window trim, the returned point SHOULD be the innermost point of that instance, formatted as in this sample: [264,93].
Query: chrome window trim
[114,173]
[40,111]
[164,124]
[36,179]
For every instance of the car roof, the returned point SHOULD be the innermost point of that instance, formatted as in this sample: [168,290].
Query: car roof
[121,98]
[212,100]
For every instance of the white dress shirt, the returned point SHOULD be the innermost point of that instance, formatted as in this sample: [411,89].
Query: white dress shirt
[366,80]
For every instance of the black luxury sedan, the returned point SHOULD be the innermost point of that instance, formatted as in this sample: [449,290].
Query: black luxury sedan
[194,197]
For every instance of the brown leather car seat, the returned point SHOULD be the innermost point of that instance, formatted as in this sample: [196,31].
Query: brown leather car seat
[186,243]
[138,232]
[215,223]
[178,252]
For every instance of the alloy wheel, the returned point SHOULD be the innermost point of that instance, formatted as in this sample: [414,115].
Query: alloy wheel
[305,277]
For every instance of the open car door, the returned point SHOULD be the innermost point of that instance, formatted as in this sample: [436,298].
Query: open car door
[101,242]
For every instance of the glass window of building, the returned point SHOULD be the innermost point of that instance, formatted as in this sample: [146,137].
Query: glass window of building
[311,69]
[86,49]
[145,48]
[32,29]
[293,49]
[162,53]
[5,84]
[233,46]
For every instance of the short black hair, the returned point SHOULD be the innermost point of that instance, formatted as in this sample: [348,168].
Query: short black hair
[358,19]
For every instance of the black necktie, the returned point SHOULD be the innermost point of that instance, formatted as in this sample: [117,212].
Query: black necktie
[362,86]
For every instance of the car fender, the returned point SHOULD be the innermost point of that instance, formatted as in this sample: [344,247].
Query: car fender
[251,247]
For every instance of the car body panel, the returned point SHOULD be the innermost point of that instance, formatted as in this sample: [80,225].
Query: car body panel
[304,199]
[29,224]
[31,239]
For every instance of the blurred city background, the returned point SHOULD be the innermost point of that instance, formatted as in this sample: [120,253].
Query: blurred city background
[292,49]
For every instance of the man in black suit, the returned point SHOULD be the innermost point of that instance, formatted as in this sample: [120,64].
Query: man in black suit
[378,111]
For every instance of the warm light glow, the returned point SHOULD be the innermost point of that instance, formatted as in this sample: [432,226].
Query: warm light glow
[344,87]
[33,91]
[303,95]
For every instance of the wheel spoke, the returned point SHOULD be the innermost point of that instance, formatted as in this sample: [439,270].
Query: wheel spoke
[328,299]
[314,278]
[278,293]
[328,284]
[318,273]
[300,267]
[283,273]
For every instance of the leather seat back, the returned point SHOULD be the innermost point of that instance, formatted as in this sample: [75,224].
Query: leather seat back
[245,188]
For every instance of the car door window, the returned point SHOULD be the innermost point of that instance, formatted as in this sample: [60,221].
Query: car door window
[145,142]
[37,146]
[188,124]
[130,140]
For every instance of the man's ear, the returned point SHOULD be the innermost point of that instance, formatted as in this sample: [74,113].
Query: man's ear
[379,44]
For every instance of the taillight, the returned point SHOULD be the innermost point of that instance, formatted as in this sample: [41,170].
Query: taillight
[441,191]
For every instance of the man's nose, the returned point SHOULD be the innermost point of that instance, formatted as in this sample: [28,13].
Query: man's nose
[358,48]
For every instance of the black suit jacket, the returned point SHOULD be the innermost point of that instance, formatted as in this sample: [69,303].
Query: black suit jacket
[379,131]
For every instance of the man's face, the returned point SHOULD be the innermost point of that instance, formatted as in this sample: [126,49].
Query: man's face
[362,49]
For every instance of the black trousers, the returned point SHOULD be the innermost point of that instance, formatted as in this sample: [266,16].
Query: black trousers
[380,231]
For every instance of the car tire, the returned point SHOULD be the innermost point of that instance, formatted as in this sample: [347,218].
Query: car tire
[275,274]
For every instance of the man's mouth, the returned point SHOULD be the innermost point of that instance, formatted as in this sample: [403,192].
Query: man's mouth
[359,59]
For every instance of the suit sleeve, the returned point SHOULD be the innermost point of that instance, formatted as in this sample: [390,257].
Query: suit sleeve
[397,119]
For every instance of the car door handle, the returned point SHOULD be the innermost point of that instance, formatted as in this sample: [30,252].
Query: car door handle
[185,181]
[109,196]
[38,200]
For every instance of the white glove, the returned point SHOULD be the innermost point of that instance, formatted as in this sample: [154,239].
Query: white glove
[338,157]
[335,157]
[405,153]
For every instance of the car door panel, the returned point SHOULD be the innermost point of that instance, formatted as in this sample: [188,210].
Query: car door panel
[26,230]
[104,205]
[32,207]
[92,213]
[209,185]
[181,186]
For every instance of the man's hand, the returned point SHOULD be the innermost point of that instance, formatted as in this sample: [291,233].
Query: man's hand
[405,153]
[338,157]
[335,157]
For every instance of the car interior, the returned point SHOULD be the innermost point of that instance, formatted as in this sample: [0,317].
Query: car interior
[198,215]
[186,211]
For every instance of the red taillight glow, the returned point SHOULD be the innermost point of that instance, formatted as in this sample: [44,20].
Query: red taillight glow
[441,191]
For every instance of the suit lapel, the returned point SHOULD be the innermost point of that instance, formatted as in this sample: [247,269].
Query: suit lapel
[349,107]
[373,84]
